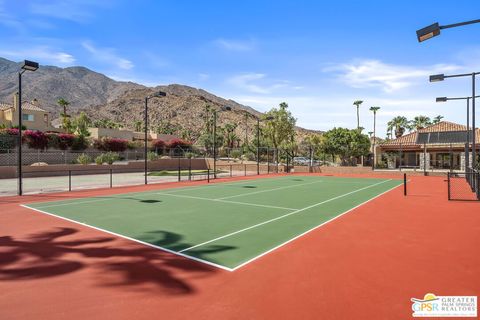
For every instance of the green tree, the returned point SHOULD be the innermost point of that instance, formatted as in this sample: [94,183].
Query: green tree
[346,144]
[81,125]
[280,130]
[357,103]
[437,119]
[66,122]
[138,125]
[230,136]
[420,122]
[399,124]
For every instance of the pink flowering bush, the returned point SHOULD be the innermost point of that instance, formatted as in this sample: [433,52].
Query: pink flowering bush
[35,139]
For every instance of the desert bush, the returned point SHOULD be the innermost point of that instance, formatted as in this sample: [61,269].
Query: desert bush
[152,156]
[111,144]
[250,156]
[109,158]
[80,143]
[236,154]
[179,143]
[84,159]
[35,139]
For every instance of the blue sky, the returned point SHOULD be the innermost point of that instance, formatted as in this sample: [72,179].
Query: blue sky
[319,56]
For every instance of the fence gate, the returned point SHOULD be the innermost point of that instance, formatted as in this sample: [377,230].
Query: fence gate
[464,186]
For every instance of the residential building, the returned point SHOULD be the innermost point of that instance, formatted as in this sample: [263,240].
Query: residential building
[33,116]
[439,146]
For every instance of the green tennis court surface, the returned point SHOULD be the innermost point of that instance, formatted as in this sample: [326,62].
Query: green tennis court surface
[223,224]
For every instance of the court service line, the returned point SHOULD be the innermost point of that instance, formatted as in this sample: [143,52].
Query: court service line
[283,216]
[132,239]
[268,190]
[227,201]
[310,230]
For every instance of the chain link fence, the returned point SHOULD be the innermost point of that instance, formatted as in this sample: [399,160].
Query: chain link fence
[464,186]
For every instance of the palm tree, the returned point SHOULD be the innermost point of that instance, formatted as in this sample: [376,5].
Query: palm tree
[138,125]
[398,123]
[437,119]
[64,104]
[420,122]
[357,103]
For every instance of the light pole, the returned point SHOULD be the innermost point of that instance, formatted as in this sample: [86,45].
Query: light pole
[374,110]
[433,30]
[26,66]
[441,77]
[224,108]
[258,140]
[145,149]
[467,143]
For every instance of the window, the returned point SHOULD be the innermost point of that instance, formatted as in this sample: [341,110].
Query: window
[27,117]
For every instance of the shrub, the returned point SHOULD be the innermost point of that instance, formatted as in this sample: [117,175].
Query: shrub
[236,154]
[111,144]
[35,139]
[84,159]
[109,158]
[189,155]
[134,144]
[80,143]
[250,156]
[152,156]
[66,140]
[179,143]
[8,139]
[158,145]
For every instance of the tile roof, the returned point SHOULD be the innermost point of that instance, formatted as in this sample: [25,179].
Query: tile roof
[25,106]
[410,139]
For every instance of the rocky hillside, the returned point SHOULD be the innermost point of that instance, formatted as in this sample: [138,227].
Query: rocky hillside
[183,109]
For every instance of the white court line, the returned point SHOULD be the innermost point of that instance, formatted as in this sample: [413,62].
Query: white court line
[226,201]
[283,216]
[268,190]
[132,239]
[310,230]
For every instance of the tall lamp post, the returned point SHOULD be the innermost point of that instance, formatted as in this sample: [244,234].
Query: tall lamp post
[224,108]
[467,143]
[145,149]
[26,66]
[441,77]
[258,140]
[374,110]
[433,30]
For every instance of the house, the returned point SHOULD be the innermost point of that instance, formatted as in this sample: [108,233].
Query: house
[98,133]
[34,117]
[439,146]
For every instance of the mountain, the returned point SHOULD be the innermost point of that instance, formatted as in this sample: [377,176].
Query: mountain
[182,111]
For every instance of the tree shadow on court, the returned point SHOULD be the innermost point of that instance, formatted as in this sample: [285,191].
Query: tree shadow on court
[116,262]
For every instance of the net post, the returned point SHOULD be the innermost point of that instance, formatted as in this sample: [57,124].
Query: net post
[404,184]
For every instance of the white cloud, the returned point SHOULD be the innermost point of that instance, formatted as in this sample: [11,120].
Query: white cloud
[107,55]
[203,76]
[235,45]
[256,83]
[43,54]
[388,77]
[72,10]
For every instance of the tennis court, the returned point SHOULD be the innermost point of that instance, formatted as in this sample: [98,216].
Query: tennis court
[225,224]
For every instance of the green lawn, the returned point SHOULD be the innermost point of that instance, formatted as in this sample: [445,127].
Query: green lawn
[225,224]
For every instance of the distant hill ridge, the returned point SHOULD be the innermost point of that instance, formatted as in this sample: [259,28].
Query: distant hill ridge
[104,98]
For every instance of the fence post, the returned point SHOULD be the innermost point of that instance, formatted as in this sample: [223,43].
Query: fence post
[245,170]
[190,169]
[230,171]
[448,183]
[111,180]
[179,173]
[208,175]
[69,180]
[404,184]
